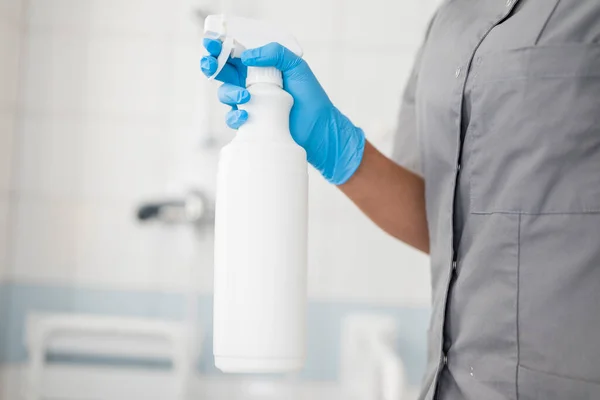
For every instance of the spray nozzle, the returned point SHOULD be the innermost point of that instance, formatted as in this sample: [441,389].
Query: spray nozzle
[239,34]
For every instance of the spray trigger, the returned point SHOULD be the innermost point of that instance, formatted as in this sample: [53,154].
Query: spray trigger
[227,50]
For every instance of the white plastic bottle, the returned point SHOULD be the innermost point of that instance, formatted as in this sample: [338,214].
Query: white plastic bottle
[261,221]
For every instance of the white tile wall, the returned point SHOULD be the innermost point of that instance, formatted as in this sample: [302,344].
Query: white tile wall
[188,87]
[10,41]
[186,24]
[48,158]
[370,89]
[311,22]
[324,61]
[101,245]
[352,259]
[10,11]
[383,270]
[127,76]
[4,243]
[82,159]
[73,74]
[103,17]
[188,92]
[125,159]
[7,125]
[326,202]
[142,17]
[9,64]
[385,25]
[114,251]
[44,239]
[115,111]
[59,15]
[54,73]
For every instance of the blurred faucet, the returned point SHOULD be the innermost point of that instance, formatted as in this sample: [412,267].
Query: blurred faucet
[195,208]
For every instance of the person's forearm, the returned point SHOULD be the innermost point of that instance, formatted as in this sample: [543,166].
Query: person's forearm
[391,196]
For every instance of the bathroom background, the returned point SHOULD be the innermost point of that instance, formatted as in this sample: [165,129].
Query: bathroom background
[103,108]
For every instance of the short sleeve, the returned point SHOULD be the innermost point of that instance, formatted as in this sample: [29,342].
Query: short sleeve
[406,151]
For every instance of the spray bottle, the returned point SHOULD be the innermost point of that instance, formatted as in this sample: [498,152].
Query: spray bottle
[261,219]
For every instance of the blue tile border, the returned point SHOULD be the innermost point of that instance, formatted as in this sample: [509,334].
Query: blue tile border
[324,322]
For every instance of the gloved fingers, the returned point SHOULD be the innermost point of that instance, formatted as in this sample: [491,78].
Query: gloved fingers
[229,73]
[213,46]
[208,65]
[236,118]
[271,55]
[233,95]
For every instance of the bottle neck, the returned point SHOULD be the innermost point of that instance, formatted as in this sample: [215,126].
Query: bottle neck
[264,75]
[268,114]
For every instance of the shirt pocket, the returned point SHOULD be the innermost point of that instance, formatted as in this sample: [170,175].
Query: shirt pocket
[558,299]
[535,130]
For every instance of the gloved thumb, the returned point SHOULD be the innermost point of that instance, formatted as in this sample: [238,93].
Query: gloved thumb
[271,55]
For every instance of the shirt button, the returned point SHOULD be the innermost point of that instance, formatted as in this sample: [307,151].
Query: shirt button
[454,264]
[458,71]
[444,360]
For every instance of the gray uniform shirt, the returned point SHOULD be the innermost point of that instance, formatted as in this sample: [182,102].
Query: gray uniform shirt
[504,104]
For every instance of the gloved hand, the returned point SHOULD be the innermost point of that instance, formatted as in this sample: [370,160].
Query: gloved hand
[334,146]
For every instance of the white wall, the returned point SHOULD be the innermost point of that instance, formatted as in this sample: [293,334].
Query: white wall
[10,38]
[114,111]
[99,132]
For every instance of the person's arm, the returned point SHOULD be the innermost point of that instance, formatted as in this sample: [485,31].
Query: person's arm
[391,196]
[391,192]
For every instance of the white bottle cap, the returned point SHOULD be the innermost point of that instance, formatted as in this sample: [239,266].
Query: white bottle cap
[264,75]
[239,34]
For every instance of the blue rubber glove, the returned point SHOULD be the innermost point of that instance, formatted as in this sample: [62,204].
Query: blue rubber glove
[334,146]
